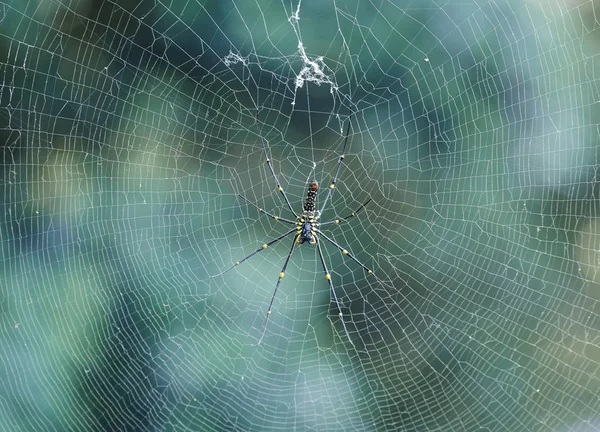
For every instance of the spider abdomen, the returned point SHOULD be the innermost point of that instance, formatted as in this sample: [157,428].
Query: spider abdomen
[306,224]
[311,197]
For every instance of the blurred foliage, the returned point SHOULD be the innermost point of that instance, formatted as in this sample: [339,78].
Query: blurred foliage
[130,128]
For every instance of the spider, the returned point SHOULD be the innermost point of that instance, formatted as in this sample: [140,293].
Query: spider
[306,230]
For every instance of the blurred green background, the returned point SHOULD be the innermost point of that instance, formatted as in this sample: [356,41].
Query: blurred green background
[129,129]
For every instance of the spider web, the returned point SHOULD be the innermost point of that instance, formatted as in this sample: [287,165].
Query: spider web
[130,129]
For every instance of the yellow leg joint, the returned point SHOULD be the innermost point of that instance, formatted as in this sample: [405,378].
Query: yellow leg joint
[281,275]
[264,246]
[328,276]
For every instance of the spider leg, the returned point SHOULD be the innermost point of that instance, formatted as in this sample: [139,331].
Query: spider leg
[263,247]
[354,213]
[287,260]
[345,252]
[277,218]
[337,303]
[279,188]
[332,185]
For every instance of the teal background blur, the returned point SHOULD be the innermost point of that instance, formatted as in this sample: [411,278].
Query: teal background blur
[128,129]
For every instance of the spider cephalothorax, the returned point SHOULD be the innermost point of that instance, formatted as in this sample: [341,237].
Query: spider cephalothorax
[307,229]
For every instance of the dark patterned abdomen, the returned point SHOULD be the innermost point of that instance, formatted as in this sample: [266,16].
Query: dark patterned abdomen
[311,196]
